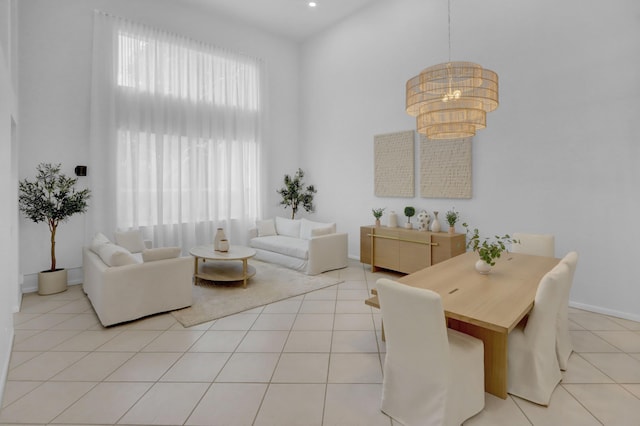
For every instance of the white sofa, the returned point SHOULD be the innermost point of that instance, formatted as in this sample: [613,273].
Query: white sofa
[123,286]
[302,245]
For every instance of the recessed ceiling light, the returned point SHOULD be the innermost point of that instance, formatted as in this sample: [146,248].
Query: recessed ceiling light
[312,4]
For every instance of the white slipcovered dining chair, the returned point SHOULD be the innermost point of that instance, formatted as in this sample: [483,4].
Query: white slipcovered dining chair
[533,370]
[432,375]
[563,338]
[536,244]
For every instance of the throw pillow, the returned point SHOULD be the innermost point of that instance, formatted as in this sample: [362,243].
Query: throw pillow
[317,232]
[160,253]
[114,255]
[131,240]
[307,226]
[98,240]
[288,227]
[266,227]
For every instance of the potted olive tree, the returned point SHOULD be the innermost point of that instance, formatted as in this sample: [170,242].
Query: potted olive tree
[295,193]
[52,198]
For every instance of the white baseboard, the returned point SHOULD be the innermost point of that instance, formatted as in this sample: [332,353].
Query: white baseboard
[605,311]
[30,281]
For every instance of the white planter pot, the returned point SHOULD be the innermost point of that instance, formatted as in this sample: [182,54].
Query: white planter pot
[483,267]
[50,282]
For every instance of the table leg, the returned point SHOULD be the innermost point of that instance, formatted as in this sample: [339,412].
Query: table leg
[244,272]
[195,270]
[495,355]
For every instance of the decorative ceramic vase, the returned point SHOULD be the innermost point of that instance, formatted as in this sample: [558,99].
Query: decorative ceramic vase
[423,219]
[219,236]
[223,245]
[393,220]
[483,267]
[435,225]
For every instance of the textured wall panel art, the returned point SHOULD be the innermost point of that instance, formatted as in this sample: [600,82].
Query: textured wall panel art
[445,168]
[393,164]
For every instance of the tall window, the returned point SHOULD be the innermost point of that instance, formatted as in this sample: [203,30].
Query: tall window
[186,124]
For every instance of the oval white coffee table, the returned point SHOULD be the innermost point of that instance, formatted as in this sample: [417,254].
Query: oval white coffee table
[216,265]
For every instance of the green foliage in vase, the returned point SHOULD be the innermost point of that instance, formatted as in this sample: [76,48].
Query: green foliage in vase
[452,217]
[51,198]
[487,249]
[295,193]
[409,212]
[377,213]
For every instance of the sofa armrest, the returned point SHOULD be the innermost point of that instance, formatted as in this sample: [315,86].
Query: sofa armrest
[327,252]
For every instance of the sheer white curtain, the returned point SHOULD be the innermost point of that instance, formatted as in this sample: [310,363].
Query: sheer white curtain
[175,136]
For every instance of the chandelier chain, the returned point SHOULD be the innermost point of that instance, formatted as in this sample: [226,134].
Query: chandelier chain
[449,22]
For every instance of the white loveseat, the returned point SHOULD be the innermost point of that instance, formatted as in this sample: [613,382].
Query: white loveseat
[304,245]
[123,286]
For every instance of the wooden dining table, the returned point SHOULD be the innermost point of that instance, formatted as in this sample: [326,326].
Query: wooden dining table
[485,306]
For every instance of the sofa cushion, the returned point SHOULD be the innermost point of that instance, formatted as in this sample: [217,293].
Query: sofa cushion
[307,226]
[318,232]
[131,240]
[114,255]
[288,246]
[98,240]
[288,227]
[160,253]
[266,227]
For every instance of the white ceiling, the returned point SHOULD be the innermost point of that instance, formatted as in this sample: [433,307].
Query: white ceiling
[290,18]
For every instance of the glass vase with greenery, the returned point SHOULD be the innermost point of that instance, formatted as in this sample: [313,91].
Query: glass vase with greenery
[489,250]
[452,217]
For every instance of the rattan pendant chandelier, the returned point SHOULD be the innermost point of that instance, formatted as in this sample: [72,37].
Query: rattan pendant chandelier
[451,100]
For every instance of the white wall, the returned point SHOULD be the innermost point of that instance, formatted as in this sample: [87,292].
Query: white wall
[9,295]
[55,68]
[559,155]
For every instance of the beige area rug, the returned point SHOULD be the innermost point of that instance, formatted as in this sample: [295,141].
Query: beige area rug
[271,283]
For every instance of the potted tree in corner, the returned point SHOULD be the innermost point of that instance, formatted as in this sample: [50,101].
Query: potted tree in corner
[294,193]
[51,198]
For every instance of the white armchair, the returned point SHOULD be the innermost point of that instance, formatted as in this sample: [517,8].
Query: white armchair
[123,286]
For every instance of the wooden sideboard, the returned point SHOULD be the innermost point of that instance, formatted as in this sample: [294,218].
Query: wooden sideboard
[407,250]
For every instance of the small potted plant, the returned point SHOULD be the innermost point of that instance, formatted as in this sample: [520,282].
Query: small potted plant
[377,213]
[409,212]
[51,198]
[488,250]
[294,193]
[452,218]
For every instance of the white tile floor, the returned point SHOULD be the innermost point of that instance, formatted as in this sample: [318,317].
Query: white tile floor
[311,360]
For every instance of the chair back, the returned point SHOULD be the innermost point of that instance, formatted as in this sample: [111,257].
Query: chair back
[564,346]
[417,359]
[571,260]
[536,244]
[541,325]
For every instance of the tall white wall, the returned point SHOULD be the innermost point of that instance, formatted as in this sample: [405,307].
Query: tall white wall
[560,155]
[55,71]
[9,295]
